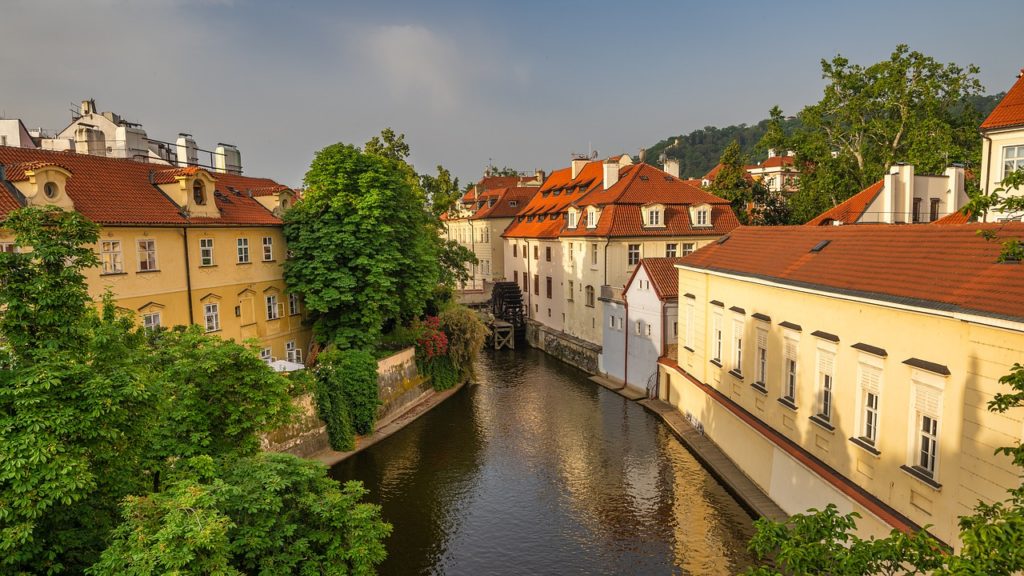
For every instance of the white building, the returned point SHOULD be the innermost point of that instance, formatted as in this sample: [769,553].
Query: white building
[1003,148]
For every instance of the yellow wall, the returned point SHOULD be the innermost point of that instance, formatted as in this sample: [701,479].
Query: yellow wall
[976,355]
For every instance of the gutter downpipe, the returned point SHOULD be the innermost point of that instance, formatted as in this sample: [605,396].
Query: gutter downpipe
[188,278]
[625,333]
[988,161]
[529,283]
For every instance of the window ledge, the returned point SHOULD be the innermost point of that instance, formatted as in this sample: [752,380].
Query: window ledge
[687,348]
[269,261]
[864,444]
[113,274]
[736,374]
[207,265]
[822,423]
[788,404]
[760,388]
[922,476]
[243,263]
[212,331]
[146,271]
[716,362]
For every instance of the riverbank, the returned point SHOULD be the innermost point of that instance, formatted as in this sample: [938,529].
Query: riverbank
[388,426]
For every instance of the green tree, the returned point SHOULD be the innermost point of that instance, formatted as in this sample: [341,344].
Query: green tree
[493,170]
[733,183]
[774,137]
[264,514]
[346,394]
[364,247]
[389,145]
[442,191]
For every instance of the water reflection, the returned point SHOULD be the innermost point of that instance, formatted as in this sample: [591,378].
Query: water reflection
[538,471]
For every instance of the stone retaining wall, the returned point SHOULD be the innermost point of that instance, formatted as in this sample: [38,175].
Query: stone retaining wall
[569,349]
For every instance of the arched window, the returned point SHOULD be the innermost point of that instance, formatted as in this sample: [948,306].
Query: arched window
[198,192]
[51,190]
[589,295]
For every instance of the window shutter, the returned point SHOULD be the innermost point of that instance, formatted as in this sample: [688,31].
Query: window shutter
[825,362]
[928,400]
[762,339]
[870,378]
[790,349]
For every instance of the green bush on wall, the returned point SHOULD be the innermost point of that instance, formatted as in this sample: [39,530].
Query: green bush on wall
[346,394]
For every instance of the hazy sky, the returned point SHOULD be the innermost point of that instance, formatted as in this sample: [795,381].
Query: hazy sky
[521,84]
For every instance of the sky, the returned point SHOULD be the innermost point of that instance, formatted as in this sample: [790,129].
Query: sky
[523,84]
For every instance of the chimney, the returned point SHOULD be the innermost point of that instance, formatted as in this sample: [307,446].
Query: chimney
[187,151]
[672,167]
[643,155]
[88,107]
[577,166]
[227,158]
[540,175]
[956,195]
[772,153]
[611,174]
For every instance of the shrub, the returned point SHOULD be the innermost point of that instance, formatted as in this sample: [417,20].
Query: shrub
[442,372]
[346,394]
[466,336]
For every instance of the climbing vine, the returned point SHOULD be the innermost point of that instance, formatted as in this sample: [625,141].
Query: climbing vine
[346,395]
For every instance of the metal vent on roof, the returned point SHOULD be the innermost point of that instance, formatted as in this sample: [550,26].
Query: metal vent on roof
[644,177]
[722,240]
[820,246]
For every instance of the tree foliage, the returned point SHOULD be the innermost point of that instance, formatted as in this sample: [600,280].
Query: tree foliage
[466,335]
[346,393]
[733,183]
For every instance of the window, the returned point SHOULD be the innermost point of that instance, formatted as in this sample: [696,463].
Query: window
[927,408]
[675,328]
[611,322]
[547,286]
[536,252]
[571,284]
[50,190]
[670,250]
[147,255]
[293,304]
[524,251]
[151,321]
[639,327]
[689,325]
[588,293]
[593,254]
[826,365]
[211,313]
[870,383]
[485,267]
[206,251]
[789,376]
[933,209]
[687,248]
[737,340]
[292,353]
[1013,159]
[633,254]
[268,249]
[648,329]
[702,216]
[572,218]
[536,284]
[762,357]
[591,217]
[198,192]
[547,253]
[265,355]
[515,276]
[916,214]
[654,217]
[113,262]
[273,312]
[716,335]
[243,250]
[515,250]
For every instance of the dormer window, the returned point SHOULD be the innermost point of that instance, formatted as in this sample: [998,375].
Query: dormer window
[51,190]
[654,216]
[572,218]
[701,215]
[198,192]
[513,203]
[592,216]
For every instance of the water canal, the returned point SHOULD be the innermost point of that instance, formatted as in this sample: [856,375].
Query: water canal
[536,470]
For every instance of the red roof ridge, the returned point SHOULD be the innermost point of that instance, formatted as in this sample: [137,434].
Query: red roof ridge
[1010,110]
[853,206]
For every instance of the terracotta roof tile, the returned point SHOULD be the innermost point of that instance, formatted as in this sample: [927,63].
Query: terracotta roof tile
[1010,110]
[777,162]
[954,218]
[948,268]
[553,196]
[850,210]
[119,191]
[503,202]
[663,275]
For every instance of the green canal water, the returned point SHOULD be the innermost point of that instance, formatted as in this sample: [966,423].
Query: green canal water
[536,470]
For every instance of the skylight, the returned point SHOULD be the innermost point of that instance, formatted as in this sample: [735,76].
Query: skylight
[820,246]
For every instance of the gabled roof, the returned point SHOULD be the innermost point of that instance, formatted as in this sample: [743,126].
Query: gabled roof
[850,210]
[553,196]
[643,184]
[949,268]
[118,191]
[503,202]
[1010,110]
[663,275]
[777,162]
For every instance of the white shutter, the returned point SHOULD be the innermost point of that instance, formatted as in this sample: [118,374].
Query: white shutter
[927,400]
[790,349]
[825,362]
[870,379]
[762,339]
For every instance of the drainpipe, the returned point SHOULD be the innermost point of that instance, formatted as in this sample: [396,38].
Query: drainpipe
[625,352]
[529,283]
[188,279]
[988,162]
[606,241]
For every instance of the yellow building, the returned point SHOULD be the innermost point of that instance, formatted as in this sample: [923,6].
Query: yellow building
[177,246]
[852,365]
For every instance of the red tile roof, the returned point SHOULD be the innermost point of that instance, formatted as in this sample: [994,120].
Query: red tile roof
[777,162]
[948,268]
[1010,110]
[117,191]
[549,204]
[663,275]
[850,210]
[954,218]
[503,199]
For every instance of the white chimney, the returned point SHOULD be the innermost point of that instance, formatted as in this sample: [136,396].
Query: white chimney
[772,153]
[227,158]
[672,167]
[88,107]
[187,151]
[611,174]
[577,166]
[956,195]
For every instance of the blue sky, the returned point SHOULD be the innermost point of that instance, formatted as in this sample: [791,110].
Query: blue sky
[522,84]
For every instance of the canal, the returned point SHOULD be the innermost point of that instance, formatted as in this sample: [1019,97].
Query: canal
[537,470]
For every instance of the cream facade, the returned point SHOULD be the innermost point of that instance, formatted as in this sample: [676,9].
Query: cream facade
[536,265]
[825,398]
[1002,152]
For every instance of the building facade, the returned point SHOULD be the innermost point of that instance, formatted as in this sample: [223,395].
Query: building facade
[1002,149]
[853,365]
[178,246]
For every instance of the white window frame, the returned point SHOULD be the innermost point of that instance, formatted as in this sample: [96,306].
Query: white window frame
[147,256]
[211,316]
[688,248]
[292,352]
[671,249]
[716,337]
[268,248]
[151,320]
[826,381]
[573,219]
[592,217]
[1013,159]
[206,252]
[267,355]
[639,327]
[761,357]
[112,256]
[926,402]
[272,306]
[243,250]
[294,307]
[791,367]
[593,253]
[632,254]
[737,345]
